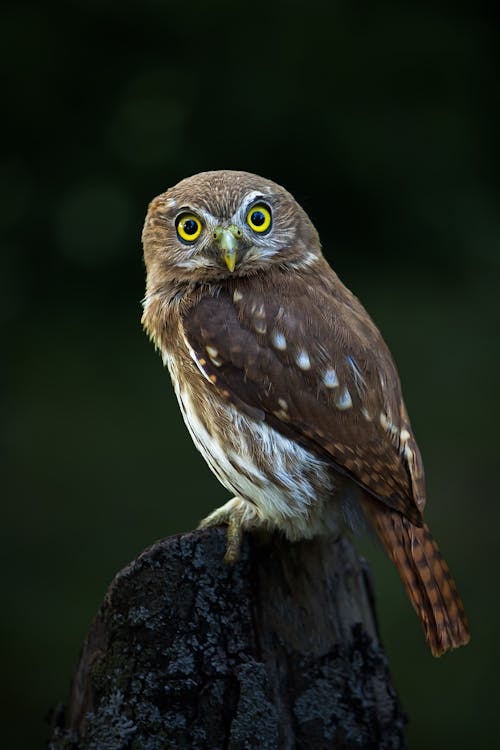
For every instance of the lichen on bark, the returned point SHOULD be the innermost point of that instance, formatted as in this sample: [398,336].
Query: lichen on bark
[279,650]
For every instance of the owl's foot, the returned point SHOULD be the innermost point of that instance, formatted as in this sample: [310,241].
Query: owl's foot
[237,514]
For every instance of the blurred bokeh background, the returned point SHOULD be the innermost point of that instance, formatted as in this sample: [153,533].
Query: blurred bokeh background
[383,120]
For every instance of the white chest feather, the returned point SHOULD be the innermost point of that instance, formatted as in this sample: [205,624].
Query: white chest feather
[288,487]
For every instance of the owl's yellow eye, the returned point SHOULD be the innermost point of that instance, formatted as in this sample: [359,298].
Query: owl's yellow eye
[188,227]
[259,218]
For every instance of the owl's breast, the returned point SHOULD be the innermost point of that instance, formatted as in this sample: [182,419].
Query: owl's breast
[288,487]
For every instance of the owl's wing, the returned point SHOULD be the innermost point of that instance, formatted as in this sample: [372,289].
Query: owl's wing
[308,360]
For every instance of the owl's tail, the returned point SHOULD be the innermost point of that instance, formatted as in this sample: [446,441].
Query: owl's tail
[426,577]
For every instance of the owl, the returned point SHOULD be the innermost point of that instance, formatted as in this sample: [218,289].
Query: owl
[285,383]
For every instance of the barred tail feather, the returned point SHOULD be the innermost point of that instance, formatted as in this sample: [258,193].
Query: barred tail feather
[426,577]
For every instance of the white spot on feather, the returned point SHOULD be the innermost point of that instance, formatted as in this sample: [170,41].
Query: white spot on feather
[344,400]
[279,341]
[390,428]
[303,360]
[387,424]
[212,351]
[408,454]
[237,295]
[330,378]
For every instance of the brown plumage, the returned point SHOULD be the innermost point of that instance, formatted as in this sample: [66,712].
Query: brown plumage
[426,577]
[285,383]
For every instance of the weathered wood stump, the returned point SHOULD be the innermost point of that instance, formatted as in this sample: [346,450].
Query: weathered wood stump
[277,651]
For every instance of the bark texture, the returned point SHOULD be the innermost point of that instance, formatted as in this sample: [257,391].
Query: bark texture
[277,651]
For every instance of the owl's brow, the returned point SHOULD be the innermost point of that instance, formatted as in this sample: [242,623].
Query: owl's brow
[253,197]
[202,212]
[249,198]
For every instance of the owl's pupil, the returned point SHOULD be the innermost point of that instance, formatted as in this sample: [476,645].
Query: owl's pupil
[258,218]
[190,226]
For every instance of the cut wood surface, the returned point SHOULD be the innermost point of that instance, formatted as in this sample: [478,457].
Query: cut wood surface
[279,650]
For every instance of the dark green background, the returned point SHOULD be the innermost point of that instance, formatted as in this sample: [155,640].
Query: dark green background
[383,120]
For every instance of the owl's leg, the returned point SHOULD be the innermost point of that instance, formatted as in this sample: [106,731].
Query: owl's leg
[238,515]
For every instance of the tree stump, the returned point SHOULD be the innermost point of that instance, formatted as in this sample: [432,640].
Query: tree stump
[277,651]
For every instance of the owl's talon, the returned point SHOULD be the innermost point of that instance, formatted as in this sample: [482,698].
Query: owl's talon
[214,519]
[237,515]
[220,516]
[234,540]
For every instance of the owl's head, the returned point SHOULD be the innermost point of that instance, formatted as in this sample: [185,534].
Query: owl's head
[216,225]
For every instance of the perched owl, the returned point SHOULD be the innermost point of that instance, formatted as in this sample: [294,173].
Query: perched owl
[285,383]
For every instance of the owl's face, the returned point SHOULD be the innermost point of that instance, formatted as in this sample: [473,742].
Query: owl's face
[215,225]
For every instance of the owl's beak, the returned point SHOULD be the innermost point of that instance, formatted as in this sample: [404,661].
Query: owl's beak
[227,240]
